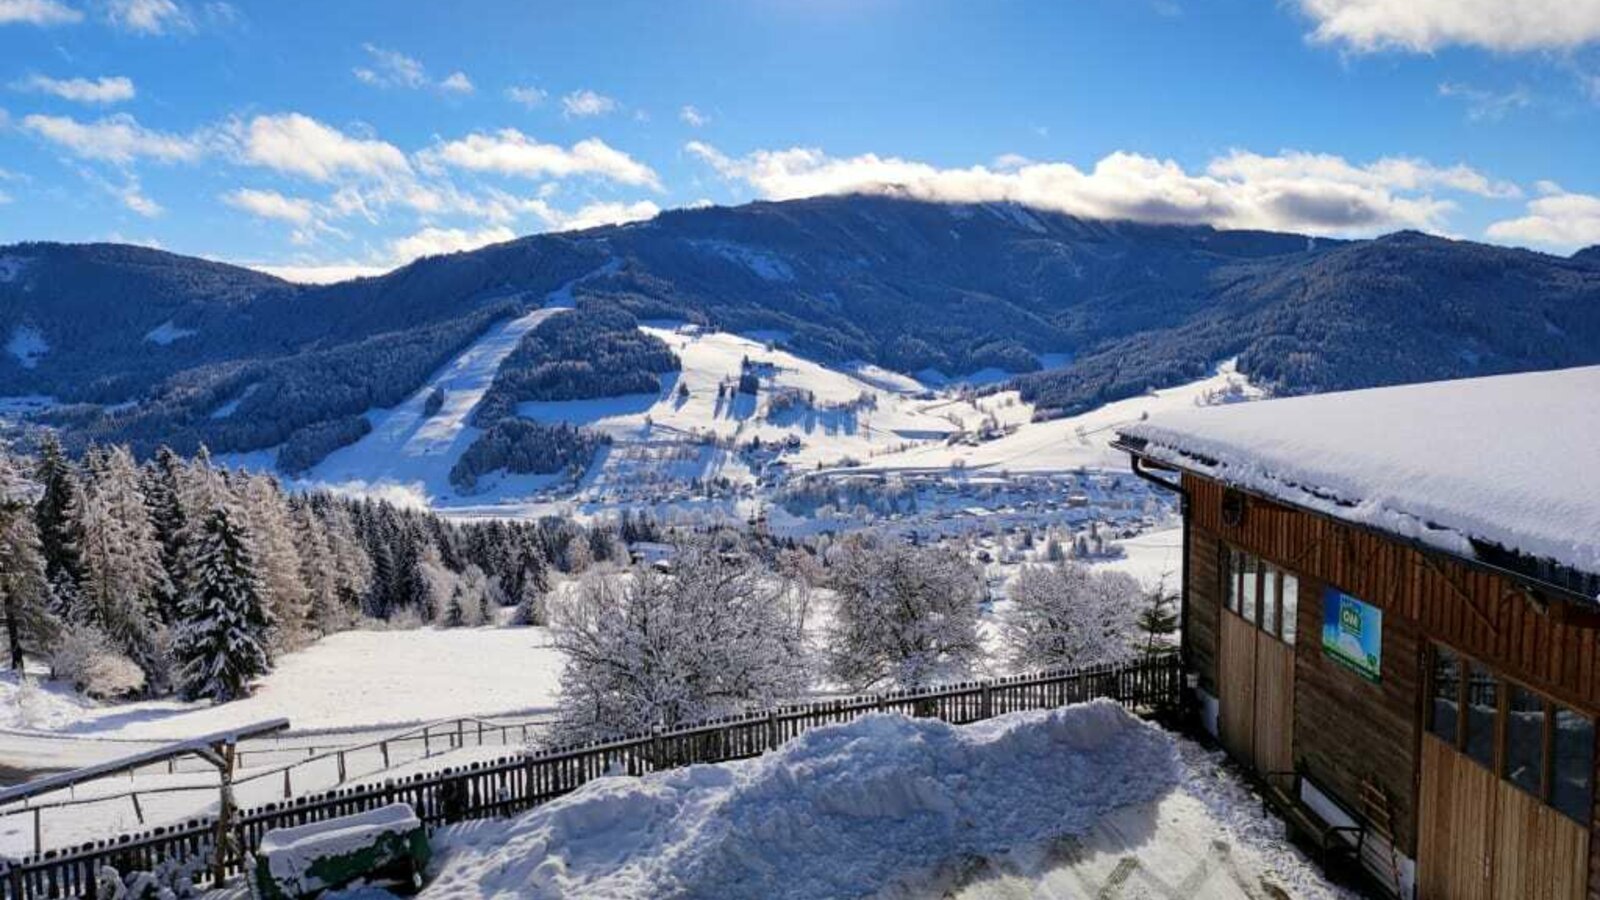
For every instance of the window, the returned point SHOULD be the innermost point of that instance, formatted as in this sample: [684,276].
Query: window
[1572,786]
[1291,606]
[1524,757]
[1247,594]
[1263,595]
[1445,704]
[1483,708]
[1234,565]
[1545,748]
[1269,600]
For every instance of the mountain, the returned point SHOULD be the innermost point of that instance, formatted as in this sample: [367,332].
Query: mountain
[143,346]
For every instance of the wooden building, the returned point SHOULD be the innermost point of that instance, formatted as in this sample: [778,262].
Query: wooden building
[1391,613]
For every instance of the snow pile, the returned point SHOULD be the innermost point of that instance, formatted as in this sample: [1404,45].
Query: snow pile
[842,810]
[1507,459]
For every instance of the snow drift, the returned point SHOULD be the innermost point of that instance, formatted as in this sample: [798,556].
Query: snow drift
[843,810]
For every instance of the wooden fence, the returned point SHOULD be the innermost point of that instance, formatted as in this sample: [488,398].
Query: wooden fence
[518,782]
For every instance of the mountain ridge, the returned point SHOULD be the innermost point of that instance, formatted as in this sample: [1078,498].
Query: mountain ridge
[147,347]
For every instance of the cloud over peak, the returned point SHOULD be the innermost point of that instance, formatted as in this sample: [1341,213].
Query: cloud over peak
[1292,191]
[116,139]
[586,103]
[294,143]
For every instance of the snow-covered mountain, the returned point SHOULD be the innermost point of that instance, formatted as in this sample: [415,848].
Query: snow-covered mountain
[839,301]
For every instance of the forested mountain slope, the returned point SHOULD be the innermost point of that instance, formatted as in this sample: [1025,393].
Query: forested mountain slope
[148,347]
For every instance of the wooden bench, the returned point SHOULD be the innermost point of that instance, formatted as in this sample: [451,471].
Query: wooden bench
[1280,795]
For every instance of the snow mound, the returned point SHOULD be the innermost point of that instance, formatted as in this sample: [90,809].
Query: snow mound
[839,811]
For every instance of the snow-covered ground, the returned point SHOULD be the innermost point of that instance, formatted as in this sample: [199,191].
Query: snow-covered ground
[346,680]
[1063,802]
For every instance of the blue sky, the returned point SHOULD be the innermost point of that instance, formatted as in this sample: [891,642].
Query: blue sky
[320,138]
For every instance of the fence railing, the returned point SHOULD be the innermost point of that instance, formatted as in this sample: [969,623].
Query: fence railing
[518,782]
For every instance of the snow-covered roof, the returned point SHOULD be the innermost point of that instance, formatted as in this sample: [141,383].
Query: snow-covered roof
[1512,460]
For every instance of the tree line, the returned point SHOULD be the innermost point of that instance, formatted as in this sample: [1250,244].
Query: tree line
[179,577]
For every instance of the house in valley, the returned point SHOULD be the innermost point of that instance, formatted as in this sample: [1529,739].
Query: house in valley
[1391,613]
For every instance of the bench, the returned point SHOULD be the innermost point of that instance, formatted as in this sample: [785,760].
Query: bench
[301,862]
[1280,795]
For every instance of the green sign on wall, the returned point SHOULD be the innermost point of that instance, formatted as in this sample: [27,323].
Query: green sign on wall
[1352,632]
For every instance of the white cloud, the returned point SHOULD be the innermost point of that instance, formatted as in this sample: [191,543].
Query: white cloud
[271,205]
[1292,191]
[585,103]
[37,12]
[300,145]
[117,139]
[1422,26]
[596,214]
[114,89]
[1485,105]
[149,16]
[391,68]
[433,241]
[510,152]
[693,117]
[526,95]
[1555,220]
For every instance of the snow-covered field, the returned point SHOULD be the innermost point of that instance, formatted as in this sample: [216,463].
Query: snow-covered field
[346,680]
[1055,803]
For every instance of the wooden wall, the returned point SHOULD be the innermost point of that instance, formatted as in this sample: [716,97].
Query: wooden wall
[1347,728]
[1204,607]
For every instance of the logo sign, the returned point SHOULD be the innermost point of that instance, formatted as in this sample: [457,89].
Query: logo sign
[1352,633]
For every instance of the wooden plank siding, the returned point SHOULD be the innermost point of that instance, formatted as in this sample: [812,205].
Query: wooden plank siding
[1203,608]
[1347,728]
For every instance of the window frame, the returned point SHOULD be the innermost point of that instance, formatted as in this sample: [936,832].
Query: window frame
[1233,561]
[1499,750]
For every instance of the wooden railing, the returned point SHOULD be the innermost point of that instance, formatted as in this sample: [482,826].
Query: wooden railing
[518,782]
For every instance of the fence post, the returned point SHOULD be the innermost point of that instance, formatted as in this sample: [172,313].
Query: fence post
[772,729]
[341,767]
[383,746]
[38,831]
[986,702]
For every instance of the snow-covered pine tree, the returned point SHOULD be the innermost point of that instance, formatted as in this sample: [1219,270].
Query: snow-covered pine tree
[1158,621]
[24,589]
[57,513]
[222,631]
[162,477]
[122,571]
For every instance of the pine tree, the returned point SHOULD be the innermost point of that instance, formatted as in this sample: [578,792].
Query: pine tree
[1158,621]
[24,588]
[162,489]
[277,562]
[222,634]
[57,515]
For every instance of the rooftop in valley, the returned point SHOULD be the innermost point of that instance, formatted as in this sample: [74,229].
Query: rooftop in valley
[1502,466]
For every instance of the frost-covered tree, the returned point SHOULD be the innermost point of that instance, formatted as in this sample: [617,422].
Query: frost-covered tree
[647,648]
[284,589]
[1070,615]
[122,571]
[24,588]
[906,616]
[1159,619]
[162,478]
[222,631]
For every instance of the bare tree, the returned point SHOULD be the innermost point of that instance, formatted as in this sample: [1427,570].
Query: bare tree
[649,648]
[1070,615]
[906,616]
